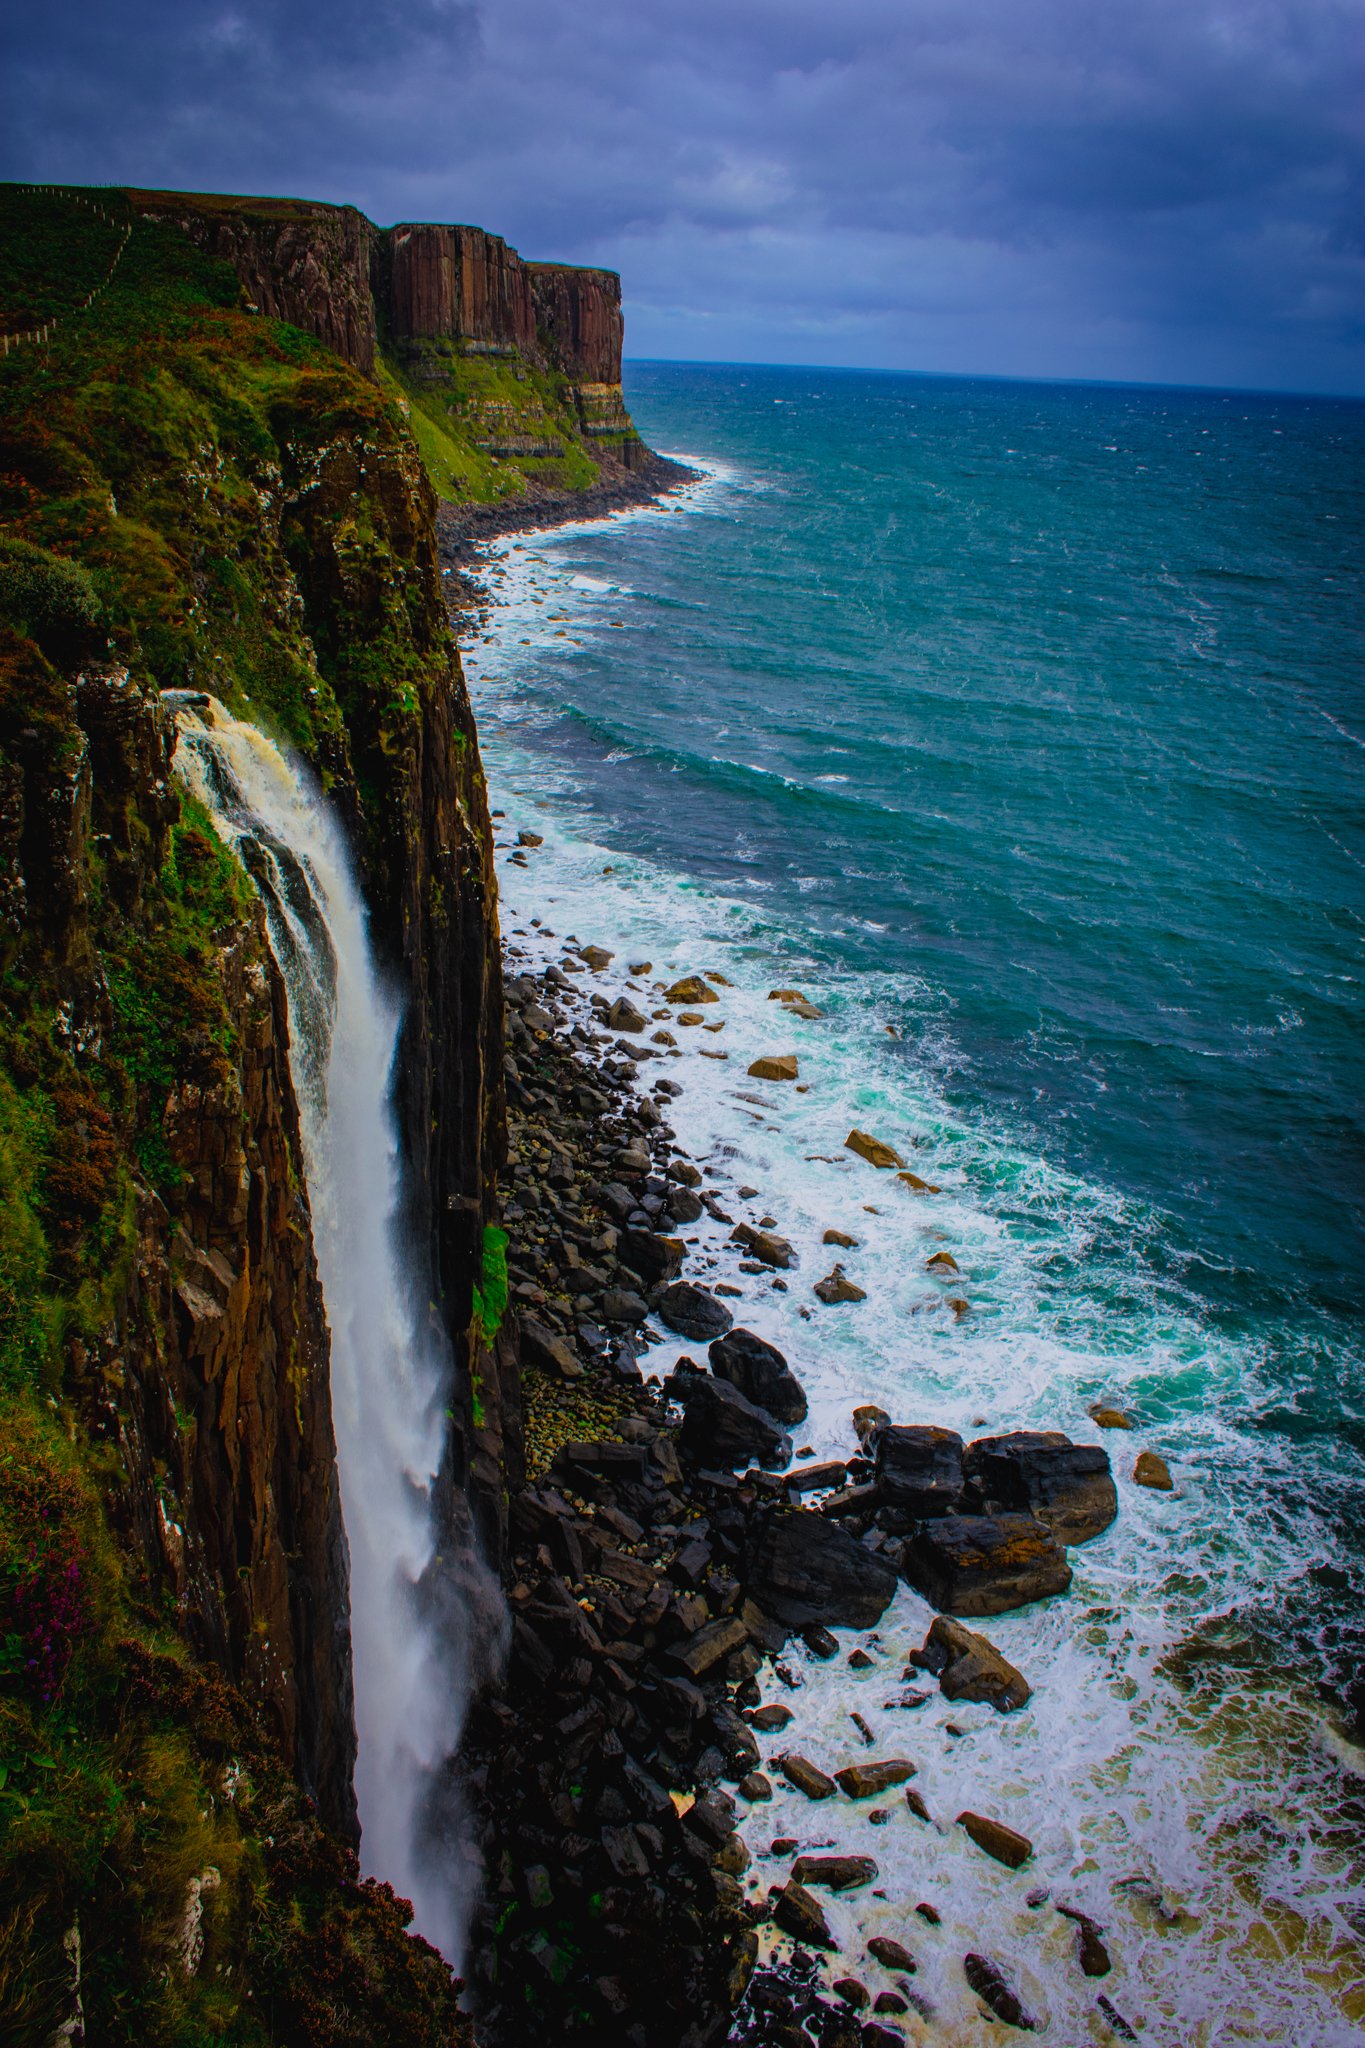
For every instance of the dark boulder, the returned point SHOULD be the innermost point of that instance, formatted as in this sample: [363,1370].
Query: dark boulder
[693,1313]
[994,1989]
[654,1258]
[808,1569]
[969,1668]
[919,1469]
[1042,1473]
[760,1372]
[984,1564]
[721,1429]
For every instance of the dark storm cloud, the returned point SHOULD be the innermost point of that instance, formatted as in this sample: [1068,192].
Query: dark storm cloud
[1169,188]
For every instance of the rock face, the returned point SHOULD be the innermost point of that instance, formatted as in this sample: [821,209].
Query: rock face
[985,1564]
[760,1372]
[1042,1473]
[809,1570]
[919,1469]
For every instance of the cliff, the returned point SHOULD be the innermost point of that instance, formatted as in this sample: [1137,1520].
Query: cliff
[508,372]
[196,495]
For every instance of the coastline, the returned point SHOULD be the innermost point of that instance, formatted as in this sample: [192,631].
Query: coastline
[461,528]
[830,1681]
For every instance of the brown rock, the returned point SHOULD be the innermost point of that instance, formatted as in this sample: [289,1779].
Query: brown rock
[597,957]
[1068,1487]
[892,1954]
[865,1781]
[768,1719]
[778,1066]
[691,989]
[786,995]
[763,1244]
[835,1873]
[852,1992]
[1110,1418]
[970,1668]
[1094,1956]
[872,1149]
[996,1839]
[799,1771]
[836,1286]
[993,1988]
[867,1419]
[942,1262]
[1150,1470]
[800,1914]
[623,1016]
[840,1237]
[754,1786]
[918,1186]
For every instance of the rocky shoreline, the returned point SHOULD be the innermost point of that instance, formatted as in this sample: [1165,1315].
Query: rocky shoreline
[462,528]
[667,1581]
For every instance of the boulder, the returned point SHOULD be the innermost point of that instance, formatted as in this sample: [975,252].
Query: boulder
[918,1186]
[1150,1470]
[836,1286]
[760,1372]
[1067,1486]
[694,1313]
[798,1913]
[872,1149]
[919,1468]
[768,1719]
[1109,1418]
[596,957]
[835,1873]
[721,1428]
[1094,1957]
[867,1781]
[994,1989]
[526,838]
[763,1244]
[621,1306]
[546,1351]
[942,1262]
[776,1066]
[786,995]
[818,1478]
[892,1954]
[807,1570]
[1005,1844]
[970,1668]
[984,1564]
[807,1777]
[691,989]
[623,1016]
[754,1786]
[840,1237]
[654,1258]
[867,1420]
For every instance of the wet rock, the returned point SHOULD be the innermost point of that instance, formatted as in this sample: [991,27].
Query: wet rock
[875,2036]
[1005,1844]
[918,1186]
[890,2002]
[942,1262]
[1067,1486]
[852,1992]
[1093,1955]
[596,957]
[806,1776]
[761,1373]
[970,1668]
[622,1306]
[866,1781]
[525,838]
[779,1066]
[892,1954]
[820,1642]
[836,1286]
[763,1244]
[919,1469]
[840,1237]
[768,1720]
[867,1420]
[1152,1471]
[536,1018]
[654,1258]
[799,1913]
[623,1016]
[1116,2019]
[835,1873]
[929,1913]
[984,1564]
[1109,1418]
[709,1645]
[786,995]
[722,1429]
[807,1569]
[691,989]
[694,1313]
[993,1988]
[755,1786]
[816,1478]
[872,1149]
[633,1161]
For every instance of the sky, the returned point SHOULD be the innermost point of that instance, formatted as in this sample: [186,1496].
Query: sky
[1162,190]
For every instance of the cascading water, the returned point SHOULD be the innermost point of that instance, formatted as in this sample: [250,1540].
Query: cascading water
[390,1366]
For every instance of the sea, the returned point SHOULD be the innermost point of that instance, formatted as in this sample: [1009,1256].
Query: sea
[1019,727]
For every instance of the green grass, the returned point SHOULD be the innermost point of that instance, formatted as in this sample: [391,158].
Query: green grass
[459,400]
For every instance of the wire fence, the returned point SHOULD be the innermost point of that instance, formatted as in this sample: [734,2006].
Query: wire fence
[40,335]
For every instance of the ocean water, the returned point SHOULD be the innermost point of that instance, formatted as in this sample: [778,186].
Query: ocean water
[1025,723]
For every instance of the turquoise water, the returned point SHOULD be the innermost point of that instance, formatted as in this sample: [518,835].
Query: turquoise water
[1030,722]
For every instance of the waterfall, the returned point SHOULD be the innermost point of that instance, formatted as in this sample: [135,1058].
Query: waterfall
[390,1364]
